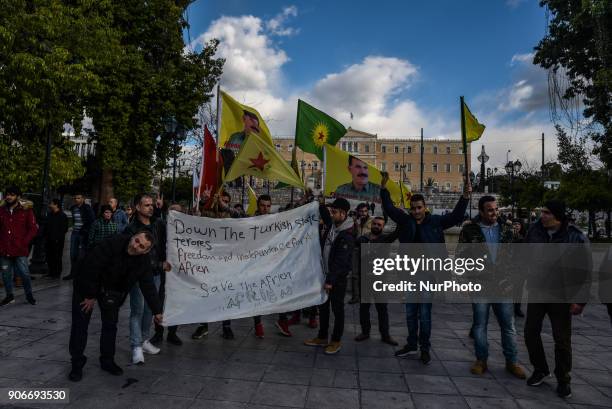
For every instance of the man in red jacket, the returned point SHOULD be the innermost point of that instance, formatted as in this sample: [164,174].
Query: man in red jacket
[17,229]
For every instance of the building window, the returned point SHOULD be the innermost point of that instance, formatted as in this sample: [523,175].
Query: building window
[460,151]
[290,147]
[434,149]
[383,166]
[434,167]
[448,150]
[447,168]
[396,166]
[409,167]
[396,149]
[461,168]
[383,149]
[408,149]
[447,186]
[435,185]
[278,147]
[366,148]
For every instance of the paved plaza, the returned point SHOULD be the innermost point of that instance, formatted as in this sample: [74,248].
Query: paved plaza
[280,372]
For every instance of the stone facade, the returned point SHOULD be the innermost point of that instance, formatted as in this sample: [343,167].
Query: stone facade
[443,159]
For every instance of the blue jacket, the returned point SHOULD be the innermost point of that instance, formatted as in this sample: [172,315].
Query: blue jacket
[431,230]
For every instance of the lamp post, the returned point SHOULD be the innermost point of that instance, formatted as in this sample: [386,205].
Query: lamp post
[170,126]
[513,169]
[482,158]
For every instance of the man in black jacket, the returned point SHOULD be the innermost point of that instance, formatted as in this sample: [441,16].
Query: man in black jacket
[553,227]
[55,236]
[107,274]
[375,235]
[82,218]
[338,243]
[140,315]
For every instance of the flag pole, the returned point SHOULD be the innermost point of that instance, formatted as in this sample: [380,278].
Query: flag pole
[465,156]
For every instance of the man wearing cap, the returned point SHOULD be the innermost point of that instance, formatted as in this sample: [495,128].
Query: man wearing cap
[17,229]
[338,243]
[553,227]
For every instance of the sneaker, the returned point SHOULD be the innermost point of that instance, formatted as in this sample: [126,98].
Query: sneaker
[564,391]
[76,374]
[283,328]
[333,348]
[157,338]
[362,337]
[200,332]
[316,342]
[174,339]
[137,356]
[406,350]
[313,323]
[227,333]
[259,331]
[295,319]
[537,378]
[112,368]
[479,367]
[515,370]
[30,299]
[149,348]
[388,340]
[9,299]
[425,357]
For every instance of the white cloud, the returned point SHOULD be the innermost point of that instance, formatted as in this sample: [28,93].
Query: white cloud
[514,3]
[276,25]
[252,60]
[529,91]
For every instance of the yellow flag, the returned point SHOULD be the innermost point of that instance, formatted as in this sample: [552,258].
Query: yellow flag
[473,129]
[239,120]
[355,179]
[252,207]
[260,159]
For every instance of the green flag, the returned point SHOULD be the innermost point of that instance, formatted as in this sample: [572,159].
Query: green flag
[315,128]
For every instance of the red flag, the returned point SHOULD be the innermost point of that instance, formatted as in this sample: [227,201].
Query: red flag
[208,173]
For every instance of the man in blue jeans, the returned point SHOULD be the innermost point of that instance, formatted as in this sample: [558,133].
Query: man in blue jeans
[485,229]
[82,218]
[17,229]
[426,228]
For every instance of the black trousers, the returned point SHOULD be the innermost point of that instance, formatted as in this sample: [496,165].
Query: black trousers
[383,318]
[335,301]
[78,333]
[561,323]
[54,249]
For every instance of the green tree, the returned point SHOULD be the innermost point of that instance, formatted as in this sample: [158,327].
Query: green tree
[47,51]
[577,47]
[153,77]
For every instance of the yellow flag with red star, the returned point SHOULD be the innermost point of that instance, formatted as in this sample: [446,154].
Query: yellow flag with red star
[260,159]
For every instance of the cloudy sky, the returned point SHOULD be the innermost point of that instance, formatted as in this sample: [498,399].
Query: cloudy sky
[398,67]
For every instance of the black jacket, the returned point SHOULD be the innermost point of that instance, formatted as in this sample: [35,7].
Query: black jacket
[565,272]
[340,262]
[431,230]
[157,227]
[57,226]
[109,267]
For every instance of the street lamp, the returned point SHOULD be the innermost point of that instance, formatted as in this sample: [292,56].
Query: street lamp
[513,169]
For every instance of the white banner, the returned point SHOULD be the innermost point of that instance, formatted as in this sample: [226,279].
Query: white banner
[236,268]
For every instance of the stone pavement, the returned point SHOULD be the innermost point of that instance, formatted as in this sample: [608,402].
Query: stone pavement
[280,372]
